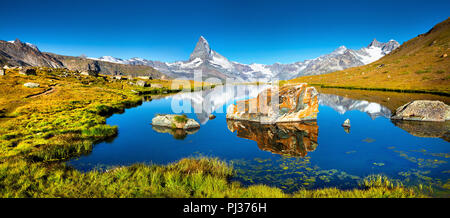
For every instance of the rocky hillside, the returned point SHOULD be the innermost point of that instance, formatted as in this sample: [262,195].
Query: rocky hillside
[17,53]
[420,64]
[108,68]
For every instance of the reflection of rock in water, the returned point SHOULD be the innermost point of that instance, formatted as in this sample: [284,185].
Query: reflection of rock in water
[425,129]
[292,139]
[177,133]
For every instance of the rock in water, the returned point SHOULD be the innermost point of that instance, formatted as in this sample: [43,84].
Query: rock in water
[288,103]
[31,85]
[423,110]
[346,123]
[212,116]
[175,121]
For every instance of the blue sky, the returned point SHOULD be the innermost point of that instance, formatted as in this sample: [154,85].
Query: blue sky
[244,31]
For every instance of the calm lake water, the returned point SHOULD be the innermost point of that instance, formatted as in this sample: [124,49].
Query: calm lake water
[310,155]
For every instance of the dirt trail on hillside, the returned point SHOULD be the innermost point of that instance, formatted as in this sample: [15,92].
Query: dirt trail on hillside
[46,92]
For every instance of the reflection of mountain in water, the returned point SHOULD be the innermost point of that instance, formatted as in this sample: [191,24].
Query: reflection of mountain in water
[292,139]
[343,104]
[177,133]
[207,101]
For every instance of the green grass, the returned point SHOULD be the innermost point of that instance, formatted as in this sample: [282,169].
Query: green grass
[180,118]
[191,177]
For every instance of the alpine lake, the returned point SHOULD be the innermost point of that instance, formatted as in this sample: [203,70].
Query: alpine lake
[298,155]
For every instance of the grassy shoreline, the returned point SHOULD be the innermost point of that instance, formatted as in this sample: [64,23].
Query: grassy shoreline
[37,135]
[384,89]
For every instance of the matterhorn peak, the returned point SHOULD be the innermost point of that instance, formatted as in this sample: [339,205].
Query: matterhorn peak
[201,50]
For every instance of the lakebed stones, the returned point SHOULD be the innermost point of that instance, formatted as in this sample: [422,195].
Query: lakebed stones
[423,110]
[175,121]
[289,103]
[31,85]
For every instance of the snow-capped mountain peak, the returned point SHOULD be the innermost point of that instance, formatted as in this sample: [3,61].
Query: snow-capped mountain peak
[110,59]
[375,43]
[212,64]
[26,43]
[340,50]
[201,50]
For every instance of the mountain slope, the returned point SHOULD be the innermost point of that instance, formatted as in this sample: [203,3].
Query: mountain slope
[421,63]
[17,53]
[212,64]
[107,68]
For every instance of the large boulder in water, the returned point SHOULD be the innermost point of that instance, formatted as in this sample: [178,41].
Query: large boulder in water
[423,110]
[288,103]
[175,121]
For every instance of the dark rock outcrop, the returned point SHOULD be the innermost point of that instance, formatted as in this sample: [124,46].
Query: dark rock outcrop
[27,71]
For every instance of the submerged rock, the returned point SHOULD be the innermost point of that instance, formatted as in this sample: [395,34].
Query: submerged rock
[288,103]
[293,139]
[175,121]
[31,85]
[212,116]
[423,110]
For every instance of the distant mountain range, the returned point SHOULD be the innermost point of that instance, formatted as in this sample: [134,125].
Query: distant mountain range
[202,59]
[421,64]
[212,64]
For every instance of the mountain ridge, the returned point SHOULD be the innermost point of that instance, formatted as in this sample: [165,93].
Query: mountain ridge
[213,64]
[421,64]
[17,53]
